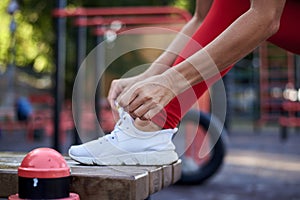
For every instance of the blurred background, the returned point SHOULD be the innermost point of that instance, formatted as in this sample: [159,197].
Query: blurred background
[43,43]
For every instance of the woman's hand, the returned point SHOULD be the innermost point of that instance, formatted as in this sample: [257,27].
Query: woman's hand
[118,87]
[146,98]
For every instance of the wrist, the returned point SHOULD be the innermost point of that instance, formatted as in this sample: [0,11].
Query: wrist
[176,81]
[138,77]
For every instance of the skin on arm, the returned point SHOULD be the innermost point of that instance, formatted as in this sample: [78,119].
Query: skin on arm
[167,58]
[260,22]
[149,96]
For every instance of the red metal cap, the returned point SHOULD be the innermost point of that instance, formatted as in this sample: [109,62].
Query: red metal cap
[44,163]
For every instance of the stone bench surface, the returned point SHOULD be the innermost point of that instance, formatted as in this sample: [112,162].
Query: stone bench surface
[98,182]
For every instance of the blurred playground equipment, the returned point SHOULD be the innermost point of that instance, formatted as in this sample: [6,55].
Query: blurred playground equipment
[290,116]
[277,69]
[278,93]
[105,24]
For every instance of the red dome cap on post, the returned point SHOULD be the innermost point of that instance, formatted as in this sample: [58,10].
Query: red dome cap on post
[43,163]
[44,174]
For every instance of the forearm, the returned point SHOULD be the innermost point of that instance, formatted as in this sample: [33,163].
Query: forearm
[240,38]
[202,7]
[167,58]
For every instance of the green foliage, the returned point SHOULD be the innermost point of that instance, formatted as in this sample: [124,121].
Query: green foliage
[4,34]
[33,37]
[185,4]
[36,15]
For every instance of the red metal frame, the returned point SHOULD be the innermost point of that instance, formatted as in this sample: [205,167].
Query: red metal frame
[144,20]
[132,17]
[267,74]
[115,11]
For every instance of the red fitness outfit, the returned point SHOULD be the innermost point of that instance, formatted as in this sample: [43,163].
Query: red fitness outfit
[220,16]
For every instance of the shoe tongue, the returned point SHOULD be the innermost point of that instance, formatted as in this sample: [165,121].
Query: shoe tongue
[126,123]
[127,127]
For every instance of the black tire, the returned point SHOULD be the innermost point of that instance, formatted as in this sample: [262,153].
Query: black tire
[217,154]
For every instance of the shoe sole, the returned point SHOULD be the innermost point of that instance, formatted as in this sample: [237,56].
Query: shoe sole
[144,158]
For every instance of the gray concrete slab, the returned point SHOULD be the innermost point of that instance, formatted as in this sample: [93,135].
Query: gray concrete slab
[258,167]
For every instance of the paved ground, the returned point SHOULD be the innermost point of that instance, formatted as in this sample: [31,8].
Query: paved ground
[257,167]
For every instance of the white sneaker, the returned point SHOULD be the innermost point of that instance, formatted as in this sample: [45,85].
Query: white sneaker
[127,145]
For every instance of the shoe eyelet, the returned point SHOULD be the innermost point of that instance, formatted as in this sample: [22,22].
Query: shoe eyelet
[113,138]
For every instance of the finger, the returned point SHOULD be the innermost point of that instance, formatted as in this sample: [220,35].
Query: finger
[137,103]
[122,92]
[141,110]
[152,112]
[126,98]
[115,115]
[111,103]
[113,93]
[112,100]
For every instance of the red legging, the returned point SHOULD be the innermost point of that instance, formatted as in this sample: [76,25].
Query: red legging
[220,16]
